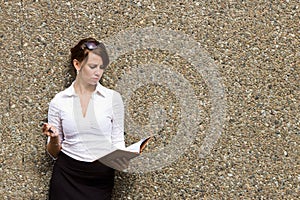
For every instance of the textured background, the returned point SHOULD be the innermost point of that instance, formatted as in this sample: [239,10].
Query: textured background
[255,45]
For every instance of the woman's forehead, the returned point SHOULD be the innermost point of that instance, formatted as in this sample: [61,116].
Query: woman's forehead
[96,59]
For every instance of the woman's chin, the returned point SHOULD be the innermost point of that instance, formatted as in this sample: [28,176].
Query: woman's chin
[94,82]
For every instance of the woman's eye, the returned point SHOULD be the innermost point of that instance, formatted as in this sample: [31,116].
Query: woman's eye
[95,66]
[102,67]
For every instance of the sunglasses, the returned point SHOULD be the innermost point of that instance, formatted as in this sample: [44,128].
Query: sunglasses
[92,45]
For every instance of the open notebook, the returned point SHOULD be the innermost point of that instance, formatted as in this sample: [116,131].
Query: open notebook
[128,153]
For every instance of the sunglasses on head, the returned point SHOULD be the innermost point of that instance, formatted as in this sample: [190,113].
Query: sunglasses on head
[91,45]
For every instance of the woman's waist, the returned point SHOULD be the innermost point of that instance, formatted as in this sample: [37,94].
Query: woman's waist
[82,168]
[85,152]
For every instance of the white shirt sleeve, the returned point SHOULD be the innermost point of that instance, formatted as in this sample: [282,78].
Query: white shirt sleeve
[117,136]
[54,120]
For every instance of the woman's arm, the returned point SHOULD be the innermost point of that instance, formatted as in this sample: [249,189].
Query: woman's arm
[53,130]
[118,121]
[53,144]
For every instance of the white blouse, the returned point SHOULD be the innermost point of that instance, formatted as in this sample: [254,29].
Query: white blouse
[93,136]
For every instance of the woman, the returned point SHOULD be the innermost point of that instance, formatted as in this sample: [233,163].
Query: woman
[85,122]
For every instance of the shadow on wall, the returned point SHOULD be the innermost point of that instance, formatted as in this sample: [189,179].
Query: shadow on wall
[123,187]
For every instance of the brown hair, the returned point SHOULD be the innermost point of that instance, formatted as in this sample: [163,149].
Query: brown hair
[80,52]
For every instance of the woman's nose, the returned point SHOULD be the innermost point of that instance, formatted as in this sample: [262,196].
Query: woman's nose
[98,71]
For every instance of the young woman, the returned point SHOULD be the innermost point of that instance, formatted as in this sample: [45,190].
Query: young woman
[85,122]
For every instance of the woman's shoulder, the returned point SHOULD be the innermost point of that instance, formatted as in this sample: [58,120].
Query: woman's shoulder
[107,91]
[58,97]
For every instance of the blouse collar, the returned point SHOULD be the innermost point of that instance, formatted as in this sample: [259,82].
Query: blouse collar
[100,89]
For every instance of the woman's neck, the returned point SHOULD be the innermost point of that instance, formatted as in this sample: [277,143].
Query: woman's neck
[83,88]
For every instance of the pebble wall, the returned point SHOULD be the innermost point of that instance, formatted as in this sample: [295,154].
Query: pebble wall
[254,46]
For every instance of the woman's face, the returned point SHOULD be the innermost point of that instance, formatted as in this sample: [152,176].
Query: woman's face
[91,71]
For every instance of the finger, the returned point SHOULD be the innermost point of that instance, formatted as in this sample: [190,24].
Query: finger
[118,160]
[53,131]
[125,161]
[122,162]
[47,133]
[53,135]
[50,130]
[116,165]
[44,127]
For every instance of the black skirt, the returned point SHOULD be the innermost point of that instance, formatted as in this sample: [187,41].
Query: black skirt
[76,180]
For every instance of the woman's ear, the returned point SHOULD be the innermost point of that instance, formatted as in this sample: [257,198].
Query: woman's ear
[76,64]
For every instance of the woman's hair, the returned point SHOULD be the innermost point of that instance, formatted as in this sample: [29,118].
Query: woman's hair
[81,51]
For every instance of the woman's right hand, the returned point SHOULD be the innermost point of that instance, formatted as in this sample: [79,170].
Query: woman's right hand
[49,130]
[54,145]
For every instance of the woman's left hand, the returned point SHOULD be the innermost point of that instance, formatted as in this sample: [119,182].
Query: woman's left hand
[121,164]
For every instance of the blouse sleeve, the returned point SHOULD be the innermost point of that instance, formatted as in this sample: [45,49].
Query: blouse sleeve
[117,136]
[54,119]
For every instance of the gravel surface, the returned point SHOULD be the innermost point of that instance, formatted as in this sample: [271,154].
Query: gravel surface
[254,46]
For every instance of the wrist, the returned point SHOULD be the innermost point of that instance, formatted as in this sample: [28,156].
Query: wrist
[54,144]
[54,141]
